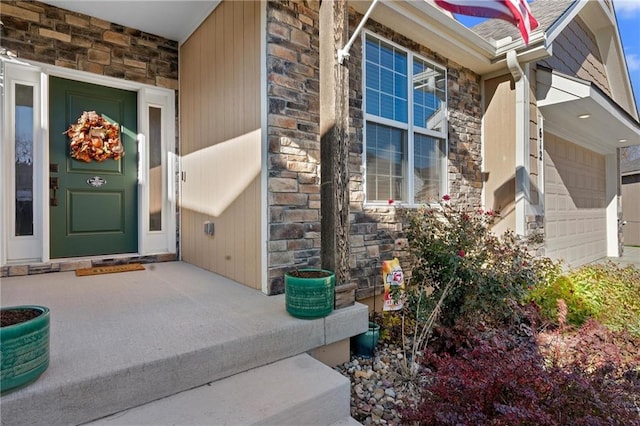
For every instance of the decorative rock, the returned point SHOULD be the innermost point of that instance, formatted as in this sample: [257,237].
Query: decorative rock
[359,374]
[377,395]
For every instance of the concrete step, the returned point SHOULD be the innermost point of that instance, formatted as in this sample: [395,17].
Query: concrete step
[347,421]
[296,391]
[123,340]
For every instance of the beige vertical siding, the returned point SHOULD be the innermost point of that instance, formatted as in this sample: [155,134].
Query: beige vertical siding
[500,150]
[631,211]
[576,53]
[221,142]
[575,207]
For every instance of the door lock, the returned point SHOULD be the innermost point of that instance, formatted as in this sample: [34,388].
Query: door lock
[54,184]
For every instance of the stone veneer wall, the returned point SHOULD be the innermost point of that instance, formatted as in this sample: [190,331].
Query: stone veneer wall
[377,232]
[44,33]
[47,34]
[293,91]
[294,149]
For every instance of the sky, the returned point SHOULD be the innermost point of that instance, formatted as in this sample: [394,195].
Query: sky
[628,14]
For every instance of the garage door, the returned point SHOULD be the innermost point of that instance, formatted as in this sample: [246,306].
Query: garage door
[575,214]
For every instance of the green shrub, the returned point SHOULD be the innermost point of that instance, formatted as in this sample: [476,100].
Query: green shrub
[462,269]
[606,292]
[547,296]
[392,325]
[613,292]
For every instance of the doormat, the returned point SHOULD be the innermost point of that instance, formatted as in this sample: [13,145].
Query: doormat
[97,270]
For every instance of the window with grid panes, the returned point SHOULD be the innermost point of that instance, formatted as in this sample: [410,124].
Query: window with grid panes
[406,124]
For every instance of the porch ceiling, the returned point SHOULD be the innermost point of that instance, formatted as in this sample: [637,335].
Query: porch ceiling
[578,111]
[174,20]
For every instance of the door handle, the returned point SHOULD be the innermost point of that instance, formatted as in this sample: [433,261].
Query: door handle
[54,184]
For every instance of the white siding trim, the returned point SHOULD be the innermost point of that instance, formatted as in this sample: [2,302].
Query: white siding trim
[611,196]
[264,220]
[521,76]
[22,248]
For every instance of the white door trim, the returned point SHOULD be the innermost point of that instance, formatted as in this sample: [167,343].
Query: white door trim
[148,242]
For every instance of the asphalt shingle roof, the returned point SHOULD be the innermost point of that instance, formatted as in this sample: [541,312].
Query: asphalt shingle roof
[546,13]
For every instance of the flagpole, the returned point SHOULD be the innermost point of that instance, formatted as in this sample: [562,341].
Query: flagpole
[344,52]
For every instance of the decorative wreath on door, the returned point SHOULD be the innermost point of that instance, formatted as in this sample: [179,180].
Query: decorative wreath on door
[94,138]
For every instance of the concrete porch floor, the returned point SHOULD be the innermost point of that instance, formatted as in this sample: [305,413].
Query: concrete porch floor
[170,328]
[631,256]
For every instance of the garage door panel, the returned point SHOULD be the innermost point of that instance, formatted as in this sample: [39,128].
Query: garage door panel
[575,215]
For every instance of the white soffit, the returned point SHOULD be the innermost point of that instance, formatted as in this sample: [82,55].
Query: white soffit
[564,99]
[172,19]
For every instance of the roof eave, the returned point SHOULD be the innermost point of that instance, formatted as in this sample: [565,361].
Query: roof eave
[537,49]
[429,25]
[564,99]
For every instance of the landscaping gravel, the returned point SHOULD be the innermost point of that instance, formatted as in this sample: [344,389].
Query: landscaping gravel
[379,390]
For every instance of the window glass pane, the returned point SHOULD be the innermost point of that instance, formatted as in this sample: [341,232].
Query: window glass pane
[428,96]
[386,81]
[401,110]
[386,154]
[373,102]
[427,168]
[400,86]
[155,169]
[386,56]
[400,64]
[24,160]
[372,50]
[386,73]
[386,106]
[418,110]
[373,76]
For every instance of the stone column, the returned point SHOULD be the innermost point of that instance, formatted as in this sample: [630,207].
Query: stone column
[334,148]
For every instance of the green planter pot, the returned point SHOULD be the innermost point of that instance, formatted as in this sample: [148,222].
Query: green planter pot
[365,343]
[24,349]
[309,297]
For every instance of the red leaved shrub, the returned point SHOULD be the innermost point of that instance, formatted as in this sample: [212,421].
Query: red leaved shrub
[499,377]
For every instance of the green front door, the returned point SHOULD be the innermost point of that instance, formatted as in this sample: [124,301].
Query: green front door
[93,205]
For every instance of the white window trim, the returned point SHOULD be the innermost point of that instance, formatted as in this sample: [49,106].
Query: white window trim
[28,246]
[37,248]
[408,127]
[163,241]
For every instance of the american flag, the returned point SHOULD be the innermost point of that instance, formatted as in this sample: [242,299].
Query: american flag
[515,11]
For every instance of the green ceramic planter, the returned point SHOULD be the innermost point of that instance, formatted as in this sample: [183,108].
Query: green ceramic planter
[309,298]
[24,349]
[364,344]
